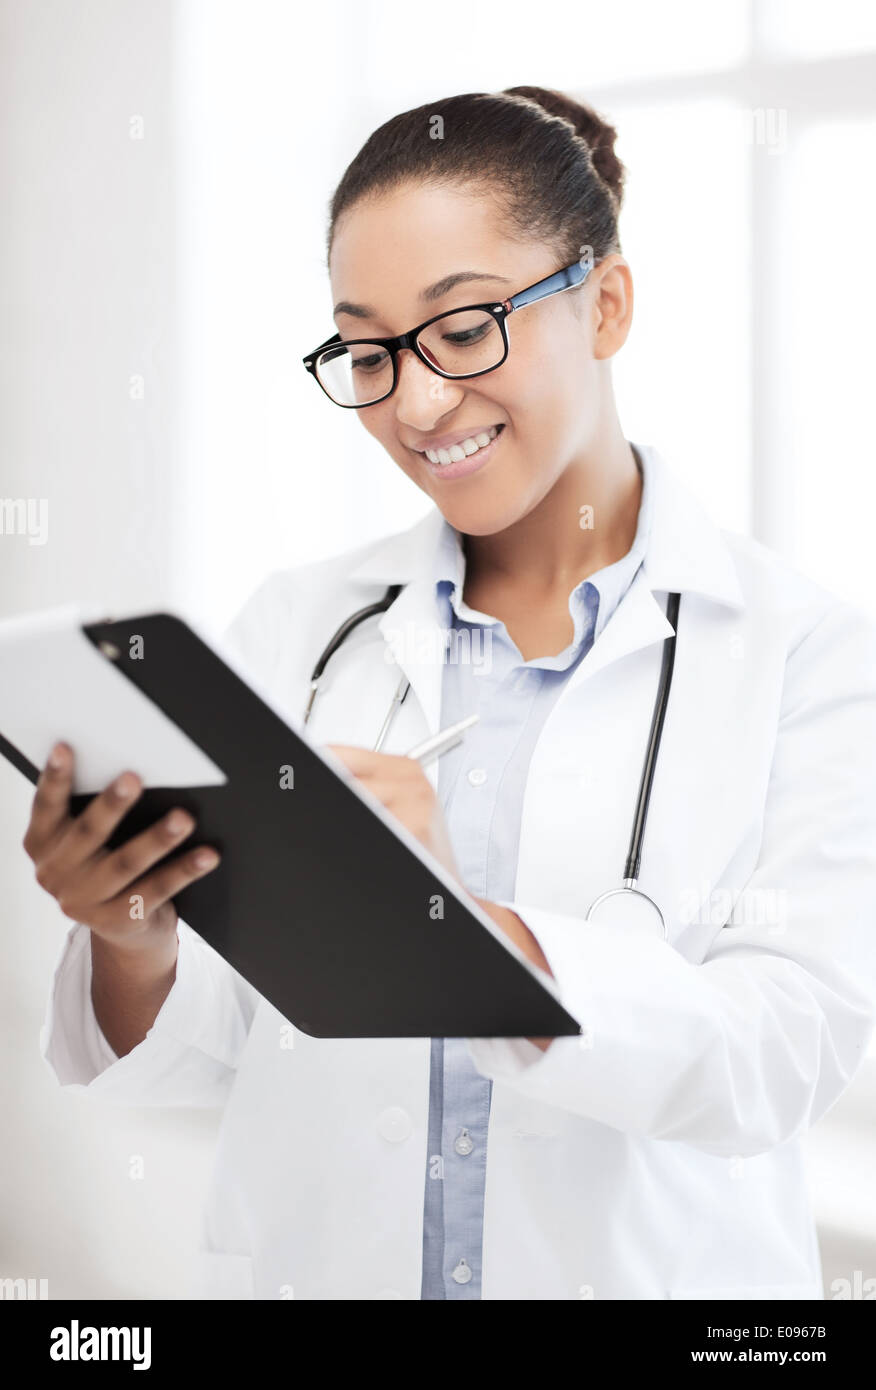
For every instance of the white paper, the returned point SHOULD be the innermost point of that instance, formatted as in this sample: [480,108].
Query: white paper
[56,685]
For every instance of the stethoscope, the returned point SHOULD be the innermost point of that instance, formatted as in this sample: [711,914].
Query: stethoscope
[629,888]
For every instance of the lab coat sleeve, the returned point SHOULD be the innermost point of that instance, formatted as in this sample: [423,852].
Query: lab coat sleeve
[190,1053]
[745,1049]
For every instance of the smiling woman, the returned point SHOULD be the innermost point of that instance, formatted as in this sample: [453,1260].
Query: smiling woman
[518,202]
[480,297]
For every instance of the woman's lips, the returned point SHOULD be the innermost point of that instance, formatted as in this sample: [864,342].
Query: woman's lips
[463,468]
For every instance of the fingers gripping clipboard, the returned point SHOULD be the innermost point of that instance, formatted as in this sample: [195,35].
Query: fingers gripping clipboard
[331,911]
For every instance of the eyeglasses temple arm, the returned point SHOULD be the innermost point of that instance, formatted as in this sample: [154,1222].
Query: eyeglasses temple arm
[567,279]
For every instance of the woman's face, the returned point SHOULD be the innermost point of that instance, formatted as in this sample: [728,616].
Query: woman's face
[549,401]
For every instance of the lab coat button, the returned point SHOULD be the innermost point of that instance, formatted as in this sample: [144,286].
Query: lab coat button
[463,1143]
[394,1124]
[463,1273]
[477,776]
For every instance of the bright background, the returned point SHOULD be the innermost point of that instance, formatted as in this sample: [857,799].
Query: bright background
[165,171]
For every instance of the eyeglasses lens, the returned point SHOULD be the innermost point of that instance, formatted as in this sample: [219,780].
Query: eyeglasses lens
[463,343]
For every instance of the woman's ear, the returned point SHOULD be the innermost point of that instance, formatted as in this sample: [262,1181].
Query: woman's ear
[611,302]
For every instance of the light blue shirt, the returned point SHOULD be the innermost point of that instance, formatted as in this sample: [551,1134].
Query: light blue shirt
[480,787]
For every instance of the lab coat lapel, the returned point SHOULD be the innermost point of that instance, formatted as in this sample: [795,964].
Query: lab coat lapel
[586,768]
[638,621]
[591,749]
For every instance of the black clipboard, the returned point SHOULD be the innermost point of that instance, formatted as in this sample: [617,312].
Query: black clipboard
[317,902]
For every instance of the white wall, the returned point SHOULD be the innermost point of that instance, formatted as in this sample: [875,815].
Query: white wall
[89,295]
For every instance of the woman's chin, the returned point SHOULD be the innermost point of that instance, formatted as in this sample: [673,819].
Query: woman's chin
[486,520]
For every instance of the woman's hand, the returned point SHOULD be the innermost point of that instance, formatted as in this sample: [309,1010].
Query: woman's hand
[93,884]
[404,789]
[123,895]
[516,929]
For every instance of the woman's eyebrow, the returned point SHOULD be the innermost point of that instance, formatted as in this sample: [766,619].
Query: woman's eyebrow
[440,287]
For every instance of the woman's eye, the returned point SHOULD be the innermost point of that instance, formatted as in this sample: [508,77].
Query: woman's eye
[370,362]
[467,335]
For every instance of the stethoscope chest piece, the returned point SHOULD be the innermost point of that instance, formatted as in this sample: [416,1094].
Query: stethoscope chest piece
[628,909]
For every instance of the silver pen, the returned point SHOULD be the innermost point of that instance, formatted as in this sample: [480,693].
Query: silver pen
[441,742]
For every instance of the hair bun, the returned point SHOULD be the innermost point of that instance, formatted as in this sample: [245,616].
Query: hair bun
[597,134]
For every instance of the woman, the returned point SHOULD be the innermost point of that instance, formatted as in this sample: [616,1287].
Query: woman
[658,1155]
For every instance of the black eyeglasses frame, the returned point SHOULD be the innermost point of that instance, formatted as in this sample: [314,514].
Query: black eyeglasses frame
[569,278]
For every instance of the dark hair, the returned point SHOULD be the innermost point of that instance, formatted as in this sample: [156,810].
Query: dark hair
[549,160]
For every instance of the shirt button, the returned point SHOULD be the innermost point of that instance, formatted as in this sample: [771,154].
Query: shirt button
[463,1273]
[477,776]
[394,1124]
[463,1143]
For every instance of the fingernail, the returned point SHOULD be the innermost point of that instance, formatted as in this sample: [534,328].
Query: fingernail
[177,822]
[206,859]
[57,756]
[124,786]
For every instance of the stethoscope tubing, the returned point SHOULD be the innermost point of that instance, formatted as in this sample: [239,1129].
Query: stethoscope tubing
[369,611]
[634,856]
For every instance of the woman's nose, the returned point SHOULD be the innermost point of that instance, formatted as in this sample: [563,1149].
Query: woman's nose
[421,395]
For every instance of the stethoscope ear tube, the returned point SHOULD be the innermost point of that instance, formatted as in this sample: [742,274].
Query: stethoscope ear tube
[398,699]
[343,632]
[354,620]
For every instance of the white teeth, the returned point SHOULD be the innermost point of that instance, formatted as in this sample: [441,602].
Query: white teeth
[464,449]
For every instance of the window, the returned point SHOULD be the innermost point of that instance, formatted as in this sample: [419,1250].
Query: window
[747,129]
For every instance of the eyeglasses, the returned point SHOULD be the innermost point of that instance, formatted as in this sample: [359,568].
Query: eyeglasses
[464,343]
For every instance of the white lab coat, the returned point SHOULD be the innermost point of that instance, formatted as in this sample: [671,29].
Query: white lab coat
[657,1156]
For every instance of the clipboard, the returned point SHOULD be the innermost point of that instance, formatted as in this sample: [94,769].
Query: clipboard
[334,913]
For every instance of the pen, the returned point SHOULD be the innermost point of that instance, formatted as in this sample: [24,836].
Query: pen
[441,742]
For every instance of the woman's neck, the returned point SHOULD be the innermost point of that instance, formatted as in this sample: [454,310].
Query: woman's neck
[587,521]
